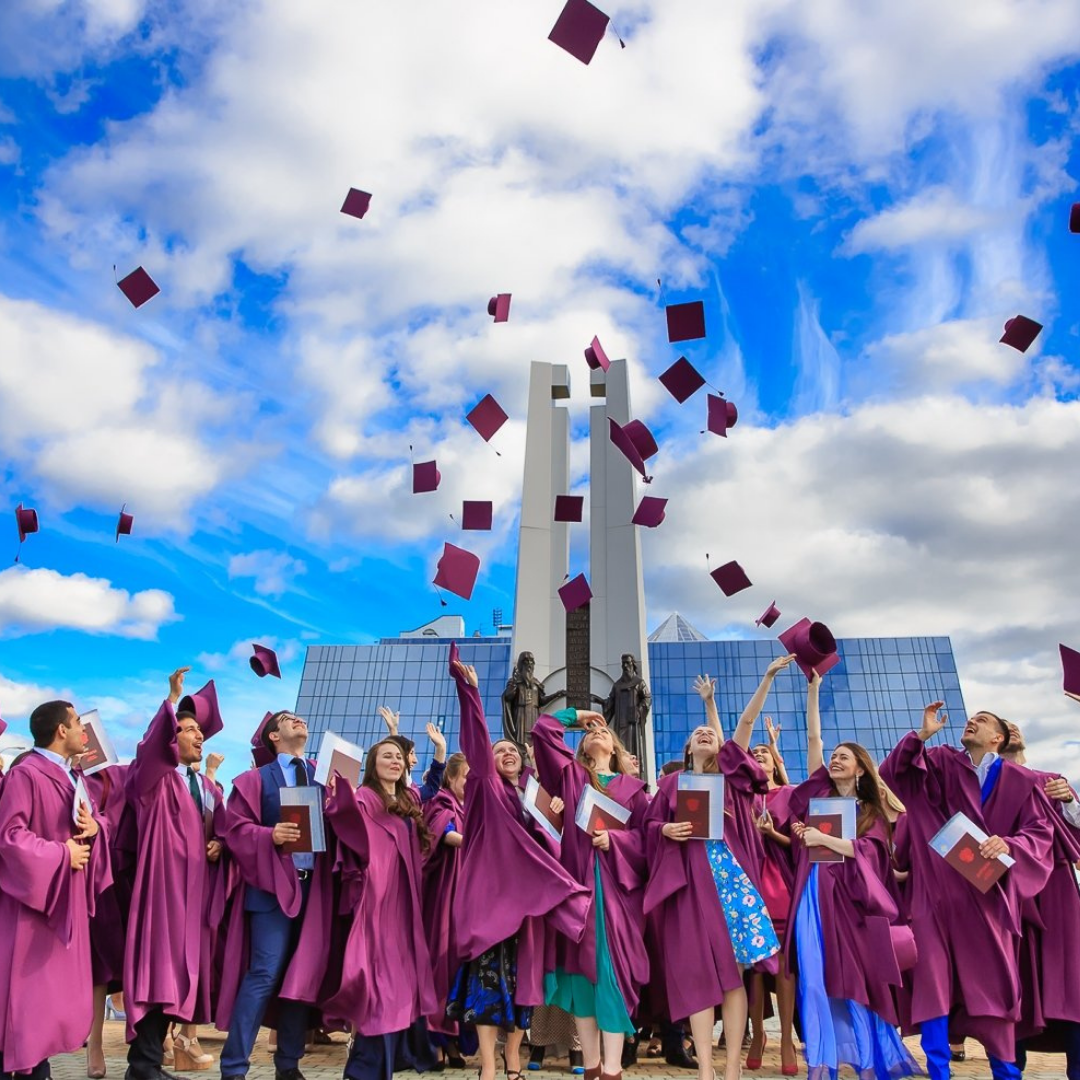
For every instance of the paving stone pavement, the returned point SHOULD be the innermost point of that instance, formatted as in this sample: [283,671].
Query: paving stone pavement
[326,1062]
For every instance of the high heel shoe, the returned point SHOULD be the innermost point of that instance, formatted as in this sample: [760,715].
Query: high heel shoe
[789,1069]
[112,1012]
[188,1055]
[95,1072]
[754,1063]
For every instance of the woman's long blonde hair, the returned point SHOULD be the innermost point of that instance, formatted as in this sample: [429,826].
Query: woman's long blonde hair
[617,764]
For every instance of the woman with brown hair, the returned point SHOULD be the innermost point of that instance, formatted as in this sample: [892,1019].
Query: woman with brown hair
[386,980]
[598,981]
[840,935]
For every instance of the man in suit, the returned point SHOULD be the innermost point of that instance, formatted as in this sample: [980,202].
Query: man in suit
[279,926]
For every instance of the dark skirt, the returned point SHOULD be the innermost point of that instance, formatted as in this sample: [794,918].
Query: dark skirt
[484,990]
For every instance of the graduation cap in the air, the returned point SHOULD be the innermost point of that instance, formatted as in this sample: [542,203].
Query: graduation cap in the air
[636,443]
[569,507]
[138,287]
[264,662]
[457,570]
[731,578]
[476,515]
[813,645]
[768,616]
[575,593]
[685,322]
[123,523]
[595,356]
[1020,332]
[425,477]
[203,705]
[579,29]
[356,203]
[682,380]
[499,307]
[487,417]
[650,512]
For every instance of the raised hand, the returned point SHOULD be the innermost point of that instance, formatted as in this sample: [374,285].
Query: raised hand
[468,672]
[176,684]
[213,763]
[773,732]
[932,723]
[591,721]
[705,687]
[779,664]
[438,740]
[390,718]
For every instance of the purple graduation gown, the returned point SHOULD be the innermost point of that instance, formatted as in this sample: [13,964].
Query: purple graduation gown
[1050,940]
[857,910]
[256,861]
[967,941]
[177,899]
[441,871]
[45,908]
[694,946]
[386,973]
[511,885]
[622,866]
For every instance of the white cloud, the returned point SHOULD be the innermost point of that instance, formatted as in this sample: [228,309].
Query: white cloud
[10,152]
[273,571]
[34,601]
[935,214]
[19,699]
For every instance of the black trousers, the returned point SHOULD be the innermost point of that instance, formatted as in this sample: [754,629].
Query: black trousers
[147,1049]
[40,1071]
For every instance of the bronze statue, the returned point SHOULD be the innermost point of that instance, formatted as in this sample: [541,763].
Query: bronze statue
[627,708]
[523,699]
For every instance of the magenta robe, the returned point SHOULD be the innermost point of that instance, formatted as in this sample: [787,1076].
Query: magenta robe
[255,860]
[695,949]
[1050,940]
[441,870]
[967,940]
[622,866]
[777,870]
[511,885]
[46,980]
[857,910]
[386,972]
[177,899]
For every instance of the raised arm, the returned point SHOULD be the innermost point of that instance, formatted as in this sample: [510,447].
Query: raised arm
[705,688]
[744,730]
[473,736]
[157,755]
[390,719]
[773,732]
[815,747]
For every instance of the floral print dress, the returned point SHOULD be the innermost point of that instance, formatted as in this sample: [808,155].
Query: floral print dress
[749,926]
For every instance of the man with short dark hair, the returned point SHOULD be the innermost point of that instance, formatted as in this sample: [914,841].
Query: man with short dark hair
[965,980]
[281,916]
[53,863]
[168,962]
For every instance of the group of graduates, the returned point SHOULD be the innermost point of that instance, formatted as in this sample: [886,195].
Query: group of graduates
[447,915]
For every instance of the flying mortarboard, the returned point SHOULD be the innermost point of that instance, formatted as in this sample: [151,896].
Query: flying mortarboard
[650,512]
[722,415]
[425,477]
[569,507]
[27,520]
[457,570]
[731,578]
[685,322]
[1070,666]
[595,356]
[1020,332]
[124,523]
[476,515]
[636,443]
[813,645]
[1074,218]
[579,29]
[575,593]
[768,616]
[356,203]
[264,662]
[138,287]
[203,705]
[682,380]
[487,417]
[499,307]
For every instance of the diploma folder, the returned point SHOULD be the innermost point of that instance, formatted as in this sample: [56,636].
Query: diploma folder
[958,842]
[596,811]
[700,801]
[337,755]
[98,752]
[834,816]
[538,804]
[303,806]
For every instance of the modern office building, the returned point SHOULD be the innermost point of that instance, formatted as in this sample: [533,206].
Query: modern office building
[873,696]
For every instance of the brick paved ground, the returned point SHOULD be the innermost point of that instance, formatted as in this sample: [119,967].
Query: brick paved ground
[325,1062]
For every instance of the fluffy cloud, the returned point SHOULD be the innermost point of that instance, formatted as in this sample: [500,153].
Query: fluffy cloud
[273,571]
[33,601]
[934,214]
[19,699]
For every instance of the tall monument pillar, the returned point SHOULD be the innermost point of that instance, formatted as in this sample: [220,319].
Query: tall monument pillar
[543,543]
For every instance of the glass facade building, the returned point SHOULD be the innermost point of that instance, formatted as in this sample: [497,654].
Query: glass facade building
[874,696]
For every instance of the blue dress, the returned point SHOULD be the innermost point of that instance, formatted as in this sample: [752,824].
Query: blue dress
[749,926]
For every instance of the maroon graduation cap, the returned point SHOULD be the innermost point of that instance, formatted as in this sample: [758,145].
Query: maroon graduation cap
[636,443]
[138,287]
[650,512]
[259,753]
[124,523]
[685,322]
[1070,666]
[1074,218]
[203,705]
[1020,332]
[499,307]
[682,380]
[27,520]
[575,593]
[579,29]
[457,570]
[768,616]
[595,356]
[487,417]
[425,477]
[264,662]
[356,203]
[731,578]
[722,415]
[813,645]
[569,507]
[476,515]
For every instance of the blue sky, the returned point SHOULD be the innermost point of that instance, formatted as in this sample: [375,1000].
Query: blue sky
[860,202]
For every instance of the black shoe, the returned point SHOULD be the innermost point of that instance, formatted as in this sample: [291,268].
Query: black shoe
[680,1059]
[288,1074]
[629,1053]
